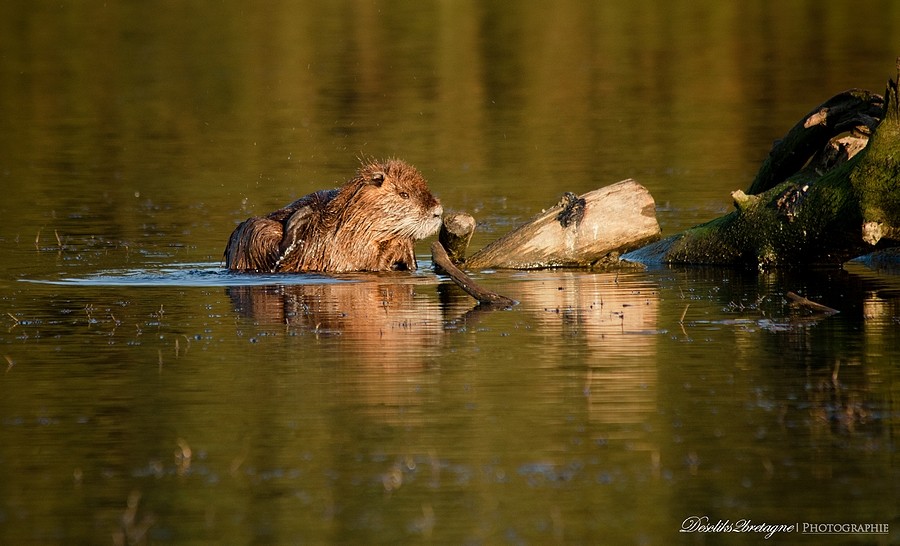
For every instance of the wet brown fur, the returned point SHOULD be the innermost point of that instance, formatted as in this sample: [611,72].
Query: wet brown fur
[368,224]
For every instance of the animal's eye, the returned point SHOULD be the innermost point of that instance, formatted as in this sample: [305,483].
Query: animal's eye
[404,195]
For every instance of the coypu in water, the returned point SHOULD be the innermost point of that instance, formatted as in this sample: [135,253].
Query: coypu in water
[368,224]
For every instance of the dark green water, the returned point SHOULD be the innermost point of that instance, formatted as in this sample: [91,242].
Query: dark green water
[148,396]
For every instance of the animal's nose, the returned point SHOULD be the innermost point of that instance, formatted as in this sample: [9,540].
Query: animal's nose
[438,211]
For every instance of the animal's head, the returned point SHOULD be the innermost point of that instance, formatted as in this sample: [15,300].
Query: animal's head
[394,197]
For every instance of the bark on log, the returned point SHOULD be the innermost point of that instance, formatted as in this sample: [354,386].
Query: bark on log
[580,231]
[826,213]
[456,232]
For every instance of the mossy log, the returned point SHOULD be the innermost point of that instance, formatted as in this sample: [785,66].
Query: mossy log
[829,191]
[589,230]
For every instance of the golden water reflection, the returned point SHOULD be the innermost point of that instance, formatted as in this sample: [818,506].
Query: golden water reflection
[608,323]
[598,329]
[386,313]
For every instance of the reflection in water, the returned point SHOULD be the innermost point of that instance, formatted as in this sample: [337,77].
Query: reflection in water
[387,328]
[387,324]
[385,314]
[609,320]
[604,308]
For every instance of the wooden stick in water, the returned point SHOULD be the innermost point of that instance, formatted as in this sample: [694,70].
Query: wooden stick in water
[483,295]
[800,301]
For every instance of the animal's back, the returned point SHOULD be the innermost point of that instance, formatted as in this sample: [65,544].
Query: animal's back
[368,224]
[258,243]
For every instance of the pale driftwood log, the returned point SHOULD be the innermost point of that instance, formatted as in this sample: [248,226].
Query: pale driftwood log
[580,231]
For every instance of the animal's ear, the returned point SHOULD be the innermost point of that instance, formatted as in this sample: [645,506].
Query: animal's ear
[376,179]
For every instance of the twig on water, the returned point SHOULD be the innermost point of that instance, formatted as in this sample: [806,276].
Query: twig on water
[132,531]
[681,320]
[187,346]
[183,456]
[800,301]
[683,313]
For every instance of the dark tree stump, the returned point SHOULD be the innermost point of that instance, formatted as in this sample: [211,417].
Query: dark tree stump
[807,205]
